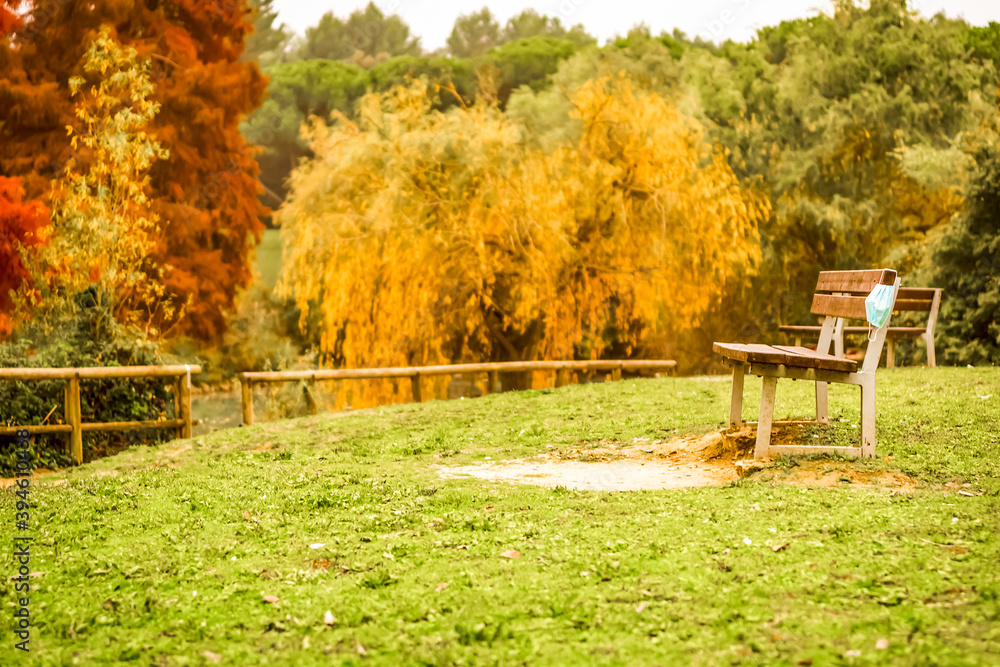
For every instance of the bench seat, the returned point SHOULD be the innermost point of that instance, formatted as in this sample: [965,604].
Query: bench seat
[785,355]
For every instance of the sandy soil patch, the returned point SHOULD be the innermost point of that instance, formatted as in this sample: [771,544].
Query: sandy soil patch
[621,475]
[713,459]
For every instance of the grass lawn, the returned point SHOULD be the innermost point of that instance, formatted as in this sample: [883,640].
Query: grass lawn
[230,548]
[269,258]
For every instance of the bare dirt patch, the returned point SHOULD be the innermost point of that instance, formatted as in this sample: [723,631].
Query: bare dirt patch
[714,459]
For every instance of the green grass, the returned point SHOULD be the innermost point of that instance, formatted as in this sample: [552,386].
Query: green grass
[269,258]
[161,558]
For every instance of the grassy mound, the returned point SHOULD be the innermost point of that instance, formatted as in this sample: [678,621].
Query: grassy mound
[231,548]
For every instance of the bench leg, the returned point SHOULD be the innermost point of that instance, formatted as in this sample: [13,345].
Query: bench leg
[822,413]
[890,355]
[736,403]
[868,419]
[766,417]
[930,351]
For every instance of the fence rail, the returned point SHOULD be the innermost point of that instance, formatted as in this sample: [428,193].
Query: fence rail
[562,368]
[71,407]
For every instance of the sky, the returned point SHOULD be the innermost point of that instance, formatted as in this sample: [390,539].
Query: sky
[718,20]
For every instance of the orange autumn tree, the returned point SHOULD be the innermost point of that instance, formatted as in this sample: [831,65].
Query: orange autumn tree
[205,195]
[426,237]
[22,229]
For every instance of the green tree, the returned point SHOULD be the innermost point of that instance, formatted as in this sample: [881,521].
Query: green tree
[297,91]
[965,260]
[267,43]
[530,23]
[367,31]
[817,111]
[474,34]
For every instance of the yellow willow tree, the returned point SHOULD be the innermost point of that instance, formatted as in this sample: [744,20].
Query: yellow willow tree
[427,237]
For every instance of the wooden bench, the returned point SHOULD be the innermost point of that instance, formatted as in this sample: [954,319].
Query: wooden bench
[911,299]
[839,295]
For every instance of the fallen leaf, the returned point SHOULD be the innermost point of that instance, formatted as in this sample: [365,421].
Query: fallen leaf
[214,657]
[109,604]
[882,643]
[585,573]
[953,485]
[386,554]
[888,458]
[512,553]
[780,547]
[271,599]
[318,545]
[366,539]
[361,650]
[246,514]
[776,637]
[853,653]
[321,564]
[441,587]
[489,507]
[462,546]
[806,662]
[967,494]
[640,608]
[328,618]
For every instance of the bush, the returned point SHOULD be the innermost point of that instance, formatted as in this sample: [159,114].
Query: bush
[80,342]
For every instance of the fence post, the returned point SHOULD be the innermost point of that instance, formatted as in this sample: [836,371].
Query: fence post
[185,398]
[246,389]
[310,396]
[179,431]
[562,377]
[72,412]
[415,387]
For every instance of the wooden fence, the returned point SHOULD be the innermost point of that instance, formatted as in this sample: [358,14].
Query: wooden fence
[562,368]
[71,408]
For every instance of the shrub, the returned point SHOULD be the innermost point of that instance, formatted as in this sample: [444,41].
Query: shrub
[81,341]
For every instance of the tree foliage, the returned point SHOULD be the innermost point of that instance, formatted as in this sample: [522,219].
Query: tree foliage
[474,34]
[267,43]
[318,87]
[536,254]
[206,194]
[367,32]
[22,229]
[965,258]
[530,23]
[820,110]
[103,232]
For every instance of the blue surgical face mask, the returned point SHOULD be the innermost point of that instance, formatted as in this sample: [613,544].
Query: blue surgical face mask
[878,305]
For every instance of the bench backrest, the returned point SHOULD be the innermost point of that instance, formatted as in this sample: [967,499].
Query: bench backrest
[917,299]
[841,295]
